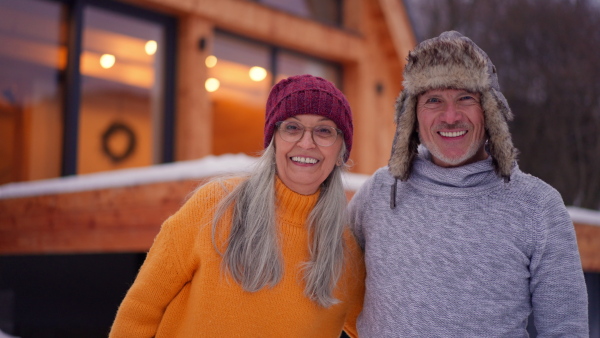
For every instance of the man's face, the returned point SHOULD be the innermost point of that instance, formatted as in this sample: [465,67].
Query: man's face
[451,126]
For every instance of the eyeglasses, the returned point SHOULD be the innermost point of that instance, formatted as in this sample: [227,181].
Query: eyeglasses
[291,131]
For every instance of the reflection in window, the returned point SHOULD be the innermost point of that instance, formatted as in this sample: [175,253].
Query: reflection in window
[238,99]
[121,104]
[240,75]
[289,63]
[32,57]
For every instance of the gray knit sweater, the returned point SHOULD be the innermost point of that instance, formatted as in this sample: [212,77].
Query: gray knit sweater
[464,254]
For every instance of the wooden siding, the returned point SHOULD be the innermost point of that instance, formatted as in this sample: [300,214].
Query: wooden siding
[127,219]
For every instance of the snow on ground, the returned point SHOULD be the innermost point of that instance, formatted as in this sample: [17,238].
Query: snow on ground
[205,167]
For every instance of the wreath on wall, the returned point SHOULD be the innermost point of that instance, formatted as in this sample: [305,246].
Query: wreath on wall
[113,130]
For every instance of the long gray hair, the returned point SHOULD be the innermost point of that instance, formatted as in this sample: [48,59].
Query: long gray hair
[253,256]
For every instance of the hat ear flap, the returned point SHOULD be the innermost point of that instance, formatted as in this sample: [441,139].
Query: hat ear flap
[500,145]
[502,104]
[406,140]
[400,106]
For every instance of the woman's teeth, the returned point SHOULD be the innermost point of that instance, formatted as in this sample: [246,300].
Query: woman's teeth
[304,159]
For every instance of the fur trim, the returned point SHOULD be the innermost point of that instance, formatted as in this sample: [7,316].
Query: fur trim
[406,138]
[451,61]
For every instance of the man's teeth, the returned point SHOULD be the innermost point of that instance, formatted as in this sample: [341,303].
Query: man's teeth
[304,159]
[452,133]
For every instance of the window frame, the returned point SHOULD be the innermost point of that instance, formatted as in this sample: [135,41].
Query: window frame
[275,51]
[71,80]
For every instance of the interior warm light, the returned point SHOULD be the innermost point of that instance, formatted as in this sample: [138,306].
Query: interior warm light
[257,73]
[151,47]
[107,61]
[210,61]
[212,84]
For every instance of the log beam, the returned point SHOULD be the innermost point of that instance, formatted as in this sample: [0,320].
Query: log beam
[121,219]
[126,219]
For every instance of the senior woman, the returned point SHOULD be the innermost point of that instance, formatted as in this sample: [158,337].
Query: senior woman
[266,254]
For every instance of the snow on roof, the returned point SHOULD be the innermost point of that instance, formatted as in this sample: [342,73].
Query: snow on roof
[205,167]
[584,216]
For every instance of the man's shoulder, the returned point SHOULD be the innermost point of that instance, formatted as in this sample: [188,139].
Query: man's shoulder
[374,184]
[531,185]
[382,176]
[529,180]
[383,173]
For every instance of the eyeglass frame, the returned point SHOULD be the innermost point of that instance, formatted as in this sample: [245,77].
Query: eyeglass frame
[304,129]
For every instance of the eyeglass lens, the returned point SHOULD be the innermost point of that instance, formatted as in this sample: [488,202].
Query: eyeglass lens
[322,135]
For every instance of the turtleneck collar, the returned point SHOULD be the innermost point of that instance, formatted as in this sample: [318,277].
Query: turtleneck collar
[293,207]
[466,180]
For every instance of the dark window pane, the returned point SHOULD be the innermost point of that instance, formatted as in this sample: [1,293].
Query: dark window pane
[32,57]
[289,64]
[239,83]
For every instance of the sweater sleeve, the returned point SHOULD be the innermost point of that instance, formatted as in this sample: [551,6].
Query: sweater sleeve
[357,208]
[163,274]
[558,289]
[357,284]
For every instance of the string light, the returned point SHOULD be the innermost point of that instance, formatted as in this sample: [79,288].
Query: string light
[212,84]
[107,61]
[210,61]
[151,47]
[257,73]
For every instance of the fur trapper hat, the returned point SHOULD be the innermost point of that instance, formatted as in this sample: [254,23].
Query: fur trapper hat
[451,61]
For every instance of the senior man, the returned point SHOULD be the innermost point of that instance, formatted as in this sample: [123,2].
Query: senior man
[458,241]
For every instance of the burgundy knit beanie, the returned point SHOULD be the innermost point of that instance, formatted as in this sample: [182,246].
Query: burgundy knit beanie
[307,94]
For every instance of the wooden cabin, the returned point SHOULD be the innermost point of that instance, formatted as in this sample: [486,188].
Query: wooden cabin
[98,86]
[93,87]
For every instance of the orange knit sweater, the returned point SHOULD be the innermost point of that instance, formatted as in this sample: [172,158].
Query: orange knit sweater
[181,290]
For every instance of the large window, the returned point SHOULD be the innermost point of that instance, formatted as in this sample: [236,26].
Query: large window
[241,73]
[121,116]
[86,86]
[32,61]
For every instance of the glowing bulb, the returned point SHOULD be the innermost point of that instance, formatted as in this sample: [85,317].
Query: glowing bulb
[212,84]
[107,61]
[151,47]
[257,73]
[210,61]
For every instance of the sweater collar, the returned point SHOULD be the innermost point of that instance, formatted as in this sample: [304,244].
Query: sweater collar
[472,178]
[293,207]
